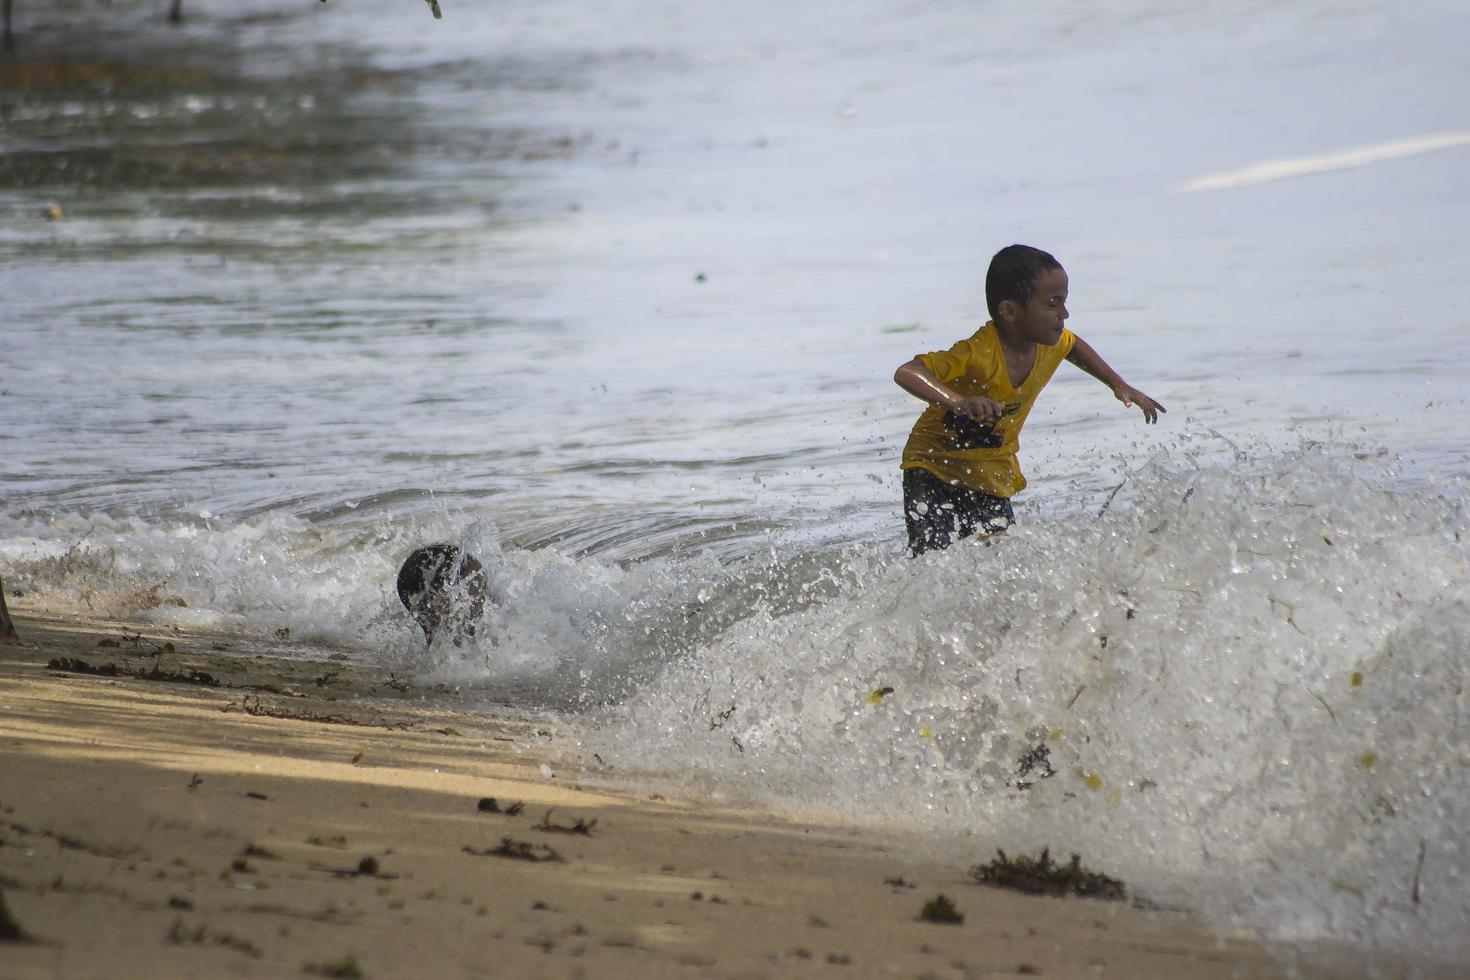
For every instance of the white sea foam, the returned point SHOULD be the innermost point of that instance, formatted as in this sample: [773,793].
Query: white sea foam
[1250,681]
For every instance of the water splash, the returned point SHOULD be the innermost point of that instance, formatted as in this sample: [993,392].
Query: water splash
[1244,683]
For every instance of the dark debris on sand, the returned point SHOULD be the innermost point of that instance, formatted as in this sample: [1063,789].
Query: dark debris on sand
[1042,876]
[347,967]
[580,826]
[10,930]
[517,850]
[255,707]
[940,909]
[368,867]
[181,935]
[75,665]
[488,804]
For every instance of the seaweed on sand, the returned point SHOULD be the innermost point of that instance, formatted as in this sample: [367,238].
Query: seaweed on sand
[74,665]
[517,850]
[1042,876]
[259,709]
[488,804]
[368,867]
[181,935]
[940,909]
[581,826]
[347,967]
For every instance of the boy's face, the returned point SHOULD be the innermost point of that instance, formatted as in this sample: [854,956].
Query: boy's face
[1040,320]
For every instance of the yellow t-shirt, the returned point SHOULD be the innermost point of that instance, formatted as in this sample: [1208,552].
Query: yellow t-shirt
[976,367]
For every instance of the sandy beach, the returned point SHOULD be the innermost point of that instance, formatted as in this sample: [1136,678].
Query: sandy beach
[301,818]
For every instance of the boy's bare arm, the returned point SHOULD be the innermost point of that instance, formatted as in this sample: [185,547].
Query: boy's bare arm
[919,381]
[1090,361]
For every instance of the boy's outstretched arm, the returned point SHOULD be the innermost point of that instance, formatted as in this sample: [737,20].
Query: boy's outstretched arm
[1090,361]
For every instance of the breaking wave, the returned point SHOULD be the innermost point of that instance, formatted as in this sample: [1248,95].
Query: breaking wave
[1238,682]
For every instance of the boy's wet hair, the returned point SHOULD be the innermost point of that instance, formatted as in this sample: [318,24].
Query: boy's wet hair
[1013,273]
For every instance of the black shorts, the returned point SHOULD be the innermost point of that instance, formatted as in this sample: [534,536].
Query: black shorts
[938,514]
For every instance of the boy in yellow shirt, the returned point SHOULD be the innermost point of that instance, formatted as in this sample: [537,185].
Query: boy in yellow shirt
[959,465]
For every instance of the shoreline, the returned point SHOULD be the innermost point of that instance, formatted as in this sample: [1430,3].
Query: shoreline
[273,828]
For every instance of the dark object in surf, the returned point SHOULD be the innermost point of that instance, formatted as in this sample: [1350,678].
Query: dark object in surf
[1036,764]
[940,909]
[8,636]
[970,434]
[443,588]
[1041,876]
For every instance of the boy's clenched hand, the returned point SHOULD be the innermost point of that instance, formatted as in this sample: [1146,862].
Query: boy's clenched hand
[979,408]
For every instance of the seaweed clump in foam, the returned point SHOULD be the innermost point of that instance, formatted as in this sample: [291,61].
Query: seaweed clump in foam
[1042,876]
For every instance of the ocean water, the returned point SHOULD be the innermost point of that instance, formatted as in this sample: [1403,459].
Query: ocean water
[611,294]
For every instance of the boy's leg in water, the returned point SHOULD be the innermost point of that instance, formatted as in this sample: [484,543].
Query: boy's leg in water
[978,511]
[928,512]
[8,636]
[938,514]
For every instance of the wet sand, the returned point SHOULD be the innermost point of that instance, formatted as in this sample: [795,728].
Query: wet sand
[281,827]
